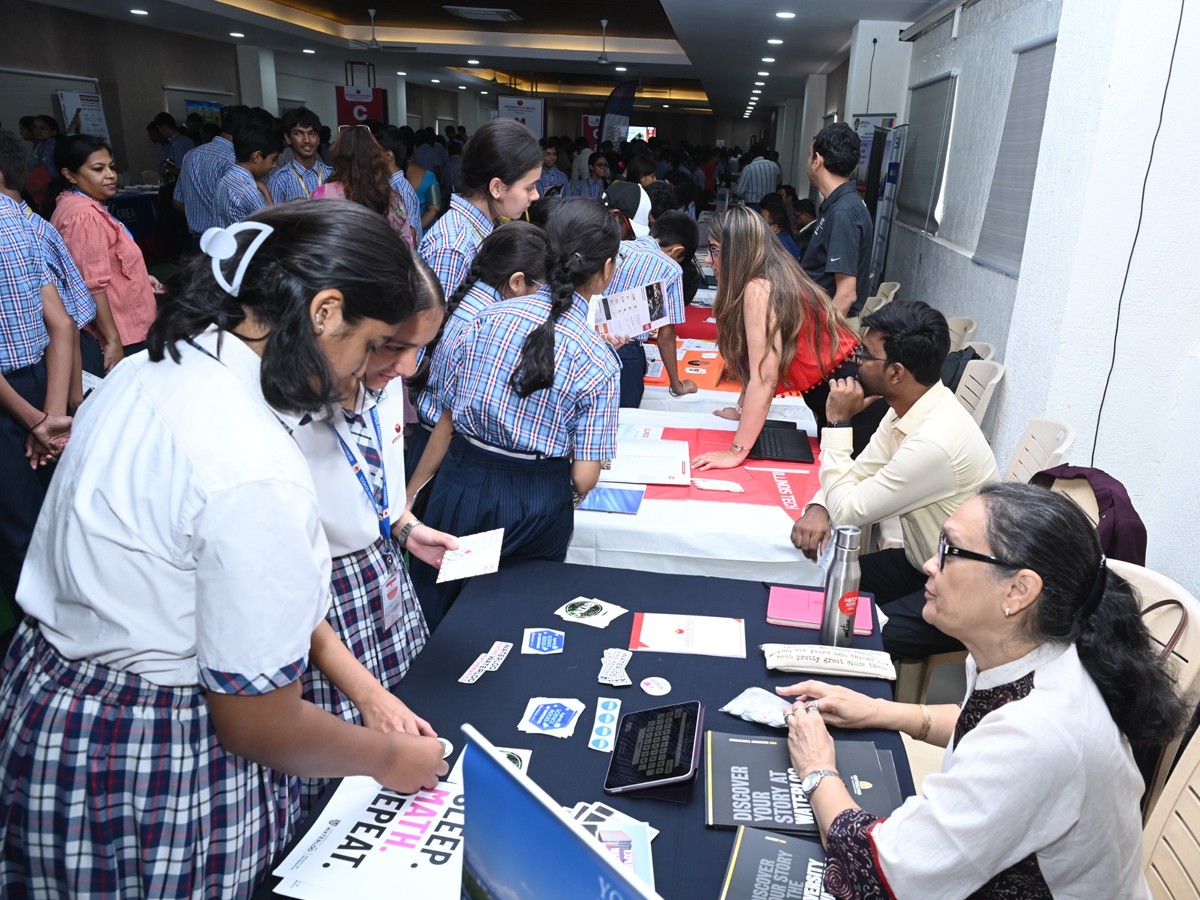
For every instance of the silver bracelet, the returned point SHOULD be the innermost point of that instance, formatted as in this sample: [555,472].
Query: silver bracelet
[402,537]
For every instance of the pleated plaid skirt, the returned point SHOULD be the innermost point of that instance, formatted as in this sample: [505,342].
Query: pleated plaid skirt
[357,618]
[111,786]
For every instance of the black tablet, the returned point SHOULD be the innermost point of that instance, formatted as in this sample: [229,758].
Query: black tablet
[656,747]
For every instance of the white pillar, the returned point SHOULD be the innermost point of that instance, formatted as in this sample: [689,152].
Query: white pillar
[397,88]
[1088,225]
[256,78]
[810,123]
[885,76]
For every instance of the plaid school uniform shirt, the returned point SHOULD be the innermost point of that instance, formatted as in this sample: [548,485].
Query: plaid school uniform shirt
[237,196]
[551,177]
[641,262]
[430,402]
[198,177]
[23,272]
[294,182]
[71,288]
[450,245]
[412,204]
[576,415]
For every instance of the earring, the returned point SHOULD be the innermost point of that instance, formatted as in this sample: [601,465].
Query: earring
[1007,612]
[320,322]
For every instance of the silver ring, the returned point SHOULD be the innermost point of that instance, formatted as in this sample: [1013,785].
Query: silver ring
[812,707]
[786,715]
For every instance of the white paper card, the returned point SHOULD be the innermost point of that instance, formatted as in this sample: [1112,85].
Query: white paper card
[477,554]
[701,635]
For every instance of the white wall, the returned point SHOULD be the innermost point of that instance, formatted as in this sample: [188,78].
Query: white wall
[939,270]
[1101,119]
[879,85]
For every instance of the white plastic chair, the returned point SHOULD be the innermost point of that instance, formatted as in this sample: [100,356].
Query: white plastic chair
[1171,839]
[977,385]
[881,298]
[962,329]
[1043,445]
[986,351]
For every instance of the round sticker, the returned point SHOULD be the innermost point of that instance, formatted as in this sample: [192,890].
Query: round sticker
[599,744]
[848,602]
[583,609]
[447,747]
[656,686]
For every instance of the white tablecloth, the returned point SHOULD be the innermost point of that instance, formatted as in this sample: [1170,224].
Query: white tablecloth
[693,537]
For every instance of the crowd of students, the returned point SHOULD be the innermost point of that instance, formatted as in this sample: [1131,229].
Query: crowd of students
[236,558]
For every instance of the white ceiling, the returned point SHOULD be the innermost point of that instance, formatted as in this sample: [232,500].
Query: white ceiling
[719,42]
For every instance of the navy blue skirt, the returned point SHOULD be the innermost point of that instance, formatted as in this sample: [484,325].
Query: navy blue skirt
[478,490]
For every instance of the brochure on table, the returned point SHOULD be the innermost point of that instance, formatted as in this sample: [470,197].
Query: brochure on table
[701,635]
[649,462]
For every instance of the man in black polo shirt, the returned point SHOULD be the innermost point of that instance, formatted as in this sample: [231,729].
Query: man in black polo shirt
[838,257]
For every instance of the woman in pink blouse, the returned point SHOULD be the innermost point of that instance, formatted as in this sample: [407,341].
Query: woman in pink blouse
[102,247]
[360,173]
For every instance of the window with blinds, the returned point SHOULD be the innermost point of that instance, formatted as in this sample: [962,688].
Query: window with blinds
[1002,237]
[930,115]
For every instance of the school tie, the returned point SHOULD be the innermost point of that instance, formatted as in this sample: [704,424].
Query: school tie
[364,436]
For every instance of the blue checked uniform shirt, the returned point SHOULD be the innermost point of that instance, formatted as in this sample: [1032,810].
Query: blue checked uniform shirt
[642,262]
[430,402]
[198,176]
[551,177]
[237,196]
[23,272]
[412,204]
[450,245]
[71,287]
[294,182]
[575,416]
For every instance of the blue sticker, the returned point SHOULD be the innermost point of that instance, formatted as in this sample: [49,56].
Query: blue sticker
[610,704]
[599,744]
[603,730]
[606,718]
[552,717]
[544,640]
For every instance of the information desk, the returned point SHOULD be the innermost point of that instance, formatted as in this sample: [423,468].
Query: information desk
[689,859]
[688,531]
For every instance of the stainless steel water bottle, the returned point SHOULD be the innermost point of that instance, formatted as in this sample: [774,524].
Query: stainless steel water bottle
[841,587]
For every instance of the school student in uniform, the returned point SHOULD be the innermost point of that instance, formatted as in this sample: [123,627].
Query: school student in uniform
[305,172]
[395,152]
[501,165]
[241,191]
[511,262]
[532,393]
[151,720]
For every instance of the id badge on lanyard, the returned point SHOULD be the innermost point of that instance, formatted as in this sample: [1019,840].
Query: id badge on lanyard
[392,593]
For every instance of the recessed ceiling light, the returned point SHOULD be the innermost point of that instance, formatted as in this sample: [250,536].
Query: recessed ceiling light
[764,74]
[768,59]
[774,41]
[236,34]
[620,69]
[483,92]
[756,91]
[436,80]
[472,62]
[139,12]
[666,106]
[401,73]
[785,15]
[462,87]
[306,50]
[759,83]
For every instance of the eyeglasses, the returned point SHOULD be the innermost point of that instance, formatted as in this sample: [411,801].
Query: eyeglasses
[945,548]
[342,128]
[600,165]
[861,356]
[714,250]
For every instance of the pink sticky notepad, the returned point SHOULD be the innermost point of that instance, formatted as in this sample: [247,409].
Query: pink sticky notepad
[803,608]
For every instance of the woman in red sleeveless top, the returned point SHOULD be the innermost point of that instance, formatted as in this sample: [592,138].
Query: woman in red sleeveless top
[778,331]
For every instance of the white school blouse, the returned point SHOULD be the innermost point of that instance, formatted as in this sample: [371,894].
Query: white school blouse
[349,518]
[180,539]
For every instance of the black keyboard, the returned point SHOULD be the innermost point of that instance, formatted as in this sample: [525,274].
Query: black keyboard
[655,753]
[785,444]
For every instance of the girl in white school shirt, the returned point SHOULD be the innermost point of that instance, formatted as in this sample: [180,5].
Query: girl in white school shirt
[356,455]
[151,722]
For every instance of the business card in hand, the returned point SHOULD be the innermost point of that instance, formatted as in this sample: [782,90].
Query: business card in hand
[477,554]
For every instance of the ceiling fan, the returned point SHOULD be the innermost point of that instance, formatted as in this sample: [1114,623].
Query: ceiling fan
[603,57]
[374,44]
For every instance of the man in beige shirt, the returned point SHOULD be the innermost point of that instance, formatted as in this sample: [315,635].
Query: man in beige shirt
[925,460]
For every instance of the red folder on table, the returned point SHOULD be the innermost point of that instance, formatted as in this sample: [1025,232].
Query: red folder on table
[803,607]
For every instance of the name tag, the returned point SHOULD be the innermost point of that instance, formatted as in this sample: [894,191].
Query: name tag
[393,600]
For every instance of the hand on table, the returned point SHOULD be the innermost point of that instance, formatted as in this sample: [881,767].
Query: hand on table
[728,412]
[415,763]
[687,386]
[718,459]
[387,713]
[837,705]
[811,531]
[809,743]
[846,399]
[430,545]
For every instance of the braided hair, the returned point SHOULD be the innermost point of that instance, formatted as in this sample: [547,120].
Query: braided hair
[582,238]
[513,247]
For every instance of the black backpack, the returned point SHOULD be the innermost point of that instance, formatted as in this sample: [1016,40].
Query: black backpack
[955,365]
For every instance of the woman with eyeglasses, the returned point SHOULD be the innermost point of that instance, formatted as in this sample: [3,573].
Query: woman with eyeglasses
[360,174]
[501,166]
[593,187]
[511,262]
[1038,793]
[777,331]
